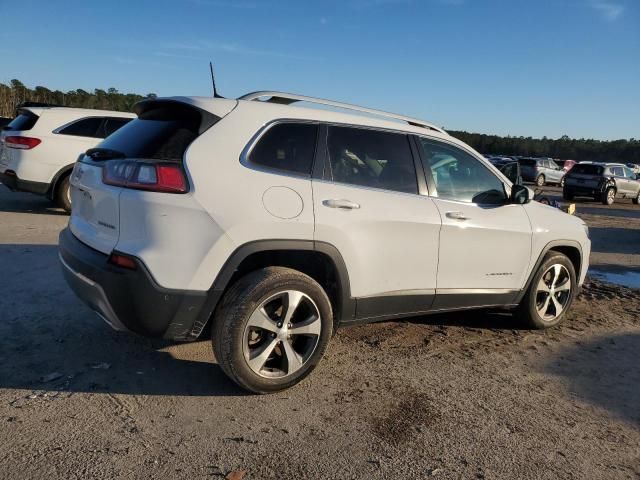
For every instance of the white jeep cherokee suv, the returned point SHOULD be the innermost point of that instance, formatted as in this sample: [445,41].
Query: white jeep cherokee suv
[39,147]
[277,224]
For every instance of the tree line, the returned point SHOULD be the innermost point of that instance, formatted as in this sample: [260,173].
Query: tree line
[626,151]
[16,93]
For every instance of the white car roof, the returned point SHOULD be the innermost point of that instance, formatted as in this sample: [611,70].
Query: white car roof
[276,110]
[78,112]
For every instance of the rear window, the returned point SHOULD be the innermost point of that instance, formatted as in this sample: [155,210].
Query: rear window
[162,131]
[24,121]
[587,169]
[527,162]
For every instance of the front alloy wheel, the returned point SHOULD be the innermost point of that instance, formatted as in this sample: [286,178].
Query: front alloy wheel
[553,292]
[549,293]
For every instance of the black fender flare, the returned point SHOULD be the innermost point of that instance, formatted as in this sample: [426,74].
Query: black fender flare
[347,305]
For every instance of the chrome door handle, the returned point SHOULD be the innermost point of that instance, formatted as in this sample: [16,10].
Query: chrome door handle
[344,204]
[456,216]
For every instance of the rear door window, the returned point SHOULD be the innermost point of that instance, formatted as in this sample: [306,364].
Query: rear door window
[24,121]
[617,171]
[86,127]
[110,125]
[288,147]
[371,158]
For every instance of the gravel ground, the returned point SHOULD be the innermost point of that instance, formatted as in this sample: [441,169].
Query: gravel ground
[450,396]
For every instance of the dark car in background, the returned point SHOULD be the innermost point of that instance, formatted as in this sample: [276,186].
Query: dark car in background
[541,171]
[602,182]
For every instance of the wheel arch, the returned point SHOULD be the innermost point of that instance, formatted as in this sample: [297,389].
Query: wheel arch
[321,261]
[57,178]
[570,248]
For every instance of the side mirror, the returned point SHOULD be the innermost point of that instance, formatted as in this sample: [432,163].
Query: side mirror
[519,194]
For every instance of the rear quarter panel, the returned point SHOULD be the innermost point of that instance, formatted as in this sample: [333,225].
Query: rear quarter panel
[233,194]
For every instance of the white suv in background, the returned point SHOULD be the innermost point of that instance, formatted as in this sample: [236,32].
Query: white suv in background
[277,224]
[39,147]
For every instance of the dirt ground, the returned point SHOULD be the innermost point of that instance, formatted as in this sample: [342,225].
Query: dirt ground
[449,396]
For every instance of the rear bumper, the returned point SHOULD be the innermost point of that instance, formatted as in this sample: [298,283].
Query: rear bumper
[130,300]
[13,182]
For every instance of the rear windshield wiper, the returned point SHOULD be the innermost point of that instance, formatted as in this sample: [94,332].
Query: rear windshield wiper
[98,154]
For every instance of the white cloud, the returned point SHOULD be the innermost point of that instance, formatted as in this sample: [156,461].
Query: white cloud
[610,11]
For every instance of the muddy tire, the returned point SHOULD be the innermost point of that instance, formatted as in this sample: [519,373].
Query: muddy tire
[63,194]
[271,329]
[609,196]
[550,293]
[540,181]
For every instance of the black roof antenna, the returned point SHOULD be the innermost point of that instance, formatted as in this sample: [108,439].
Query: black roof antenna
[213,81]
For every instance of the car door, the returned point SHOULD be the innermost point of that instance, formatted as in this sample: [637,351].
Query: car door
[369,207]
[555,171]
[632,182]
[485,241]
[622,186]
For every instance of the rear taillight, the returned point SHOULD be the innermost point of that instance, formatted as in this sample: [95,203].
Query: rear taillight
[22,143]
[155,177]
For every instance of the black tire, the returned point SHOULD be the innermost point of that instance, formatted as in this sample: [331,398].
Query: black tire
[608,196]
[527,311]
[540,180]
[232,317]
[567,194]
[636,200]
[62,196]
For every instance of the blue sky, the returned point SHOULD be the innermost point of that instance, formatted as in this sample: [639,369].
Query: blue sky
[518,67]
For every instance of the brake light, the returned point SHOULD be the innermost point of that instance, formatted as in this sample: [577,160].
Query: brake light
[22,143]
[122,261]
[155,177]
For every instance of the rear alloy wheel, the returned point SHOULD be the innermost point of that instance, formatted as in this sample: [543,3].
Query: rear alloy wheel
[63,194]
[609,196]
[272,329]
[540,181]
[550,293]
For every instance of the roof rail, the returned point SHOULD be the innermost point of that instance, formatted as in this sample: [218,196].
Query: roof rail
[289,98]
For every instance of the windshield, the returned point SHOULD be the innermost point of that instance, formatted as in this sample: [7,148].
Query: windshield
[587,169]
[527,162]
